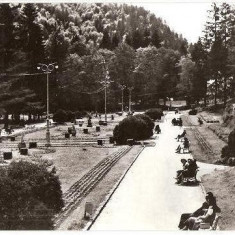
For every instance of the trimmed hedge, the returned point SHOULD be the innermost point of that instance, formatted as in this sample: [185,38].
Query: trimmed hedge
[136,127]
[155,113]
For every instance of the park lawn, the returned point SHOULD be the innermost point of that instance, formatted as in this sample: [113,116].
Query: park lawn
[74,162]
[222,184]
[211,138]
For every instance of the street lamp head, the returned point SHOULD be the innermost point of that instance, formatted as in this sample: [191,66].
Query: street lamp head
[56,66]
[38,67]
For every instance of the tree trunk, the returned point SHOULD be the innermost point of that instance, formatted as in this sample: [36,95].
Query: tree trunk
[225,91]
[6,121]
[216,90]
[205,100]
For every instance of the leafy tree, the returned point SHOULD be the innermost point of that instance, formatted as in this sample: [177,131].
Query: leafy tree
[106,40]
[57,46]
[185,86]
[31,36]
[155,39]
[124,60]
[200,57]
[7,18]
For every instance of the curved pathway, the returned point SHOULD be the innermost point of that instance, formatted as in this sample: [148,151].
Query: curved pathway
[148,198]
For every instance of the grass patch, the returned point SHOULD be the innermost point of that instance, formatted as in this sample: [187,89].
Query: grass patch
[74,162]
[211,138]
[222,184]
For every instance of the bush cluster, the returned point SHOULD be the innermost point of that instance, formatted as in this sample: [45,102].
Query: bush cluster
[228,151]
[136,127]
[61,116]
[155,113]
[193,112]
[30,196]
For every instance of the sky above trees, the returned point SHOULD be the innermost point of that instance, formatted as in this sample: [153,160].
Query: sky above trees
[185,17]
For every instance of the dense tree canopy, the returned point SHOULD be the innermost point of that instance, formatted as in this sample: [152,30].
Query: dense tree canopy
[85,40]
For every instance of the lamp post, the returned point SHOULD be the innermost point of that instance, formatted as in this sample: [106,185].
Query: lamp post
[105,82]
[105,92]
[130,90]
[47,68]
[122,88]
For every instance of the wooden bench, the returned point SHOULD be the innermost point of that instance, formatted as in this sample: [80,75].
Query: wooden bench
[214,226]
[191,179]
[186,149]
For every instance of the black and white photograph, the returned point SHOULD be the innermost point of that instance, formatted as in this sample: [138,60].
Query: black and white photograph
[117,116]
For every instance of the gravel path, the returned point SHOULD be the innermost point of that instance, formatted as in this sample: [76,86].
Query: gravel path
[148,198]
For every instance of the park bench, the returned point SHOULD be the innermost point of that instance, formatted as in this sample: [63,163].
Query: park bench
[102,123]
[214,226]
[186,149]
[191,179]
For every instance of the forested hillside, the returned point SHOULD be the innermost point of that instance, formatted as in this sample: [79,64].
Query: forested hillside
[88,42]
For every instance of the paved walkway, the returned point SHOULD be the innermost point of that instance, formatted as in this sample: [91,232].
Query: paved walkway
[148,198]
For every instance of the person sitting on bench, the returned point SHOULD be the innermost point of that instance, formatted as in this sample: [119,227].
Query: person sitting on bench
[158,129]
[193,222]
[180,122]
[174,121]
[200,211]
[189,171]
[185,166]
[178,149]
[186,143]
[181,135]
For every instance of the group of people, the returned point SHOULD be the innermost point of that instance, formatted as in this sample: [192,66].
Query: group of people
[205,214]
[177,122]
[189,170]
[185,142]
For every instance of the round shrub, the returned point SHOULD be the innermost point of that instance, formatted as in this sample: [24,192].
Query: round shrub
[148,121]
[132,127]
[155,113]
[70,116]
[60,116]
[193,112]
[28,192]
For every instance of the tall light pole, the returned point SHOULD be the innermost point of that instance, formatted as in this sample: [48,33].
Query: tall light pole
[105,92]
[47,68]
[105,82]
[122,88]
[130,90]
